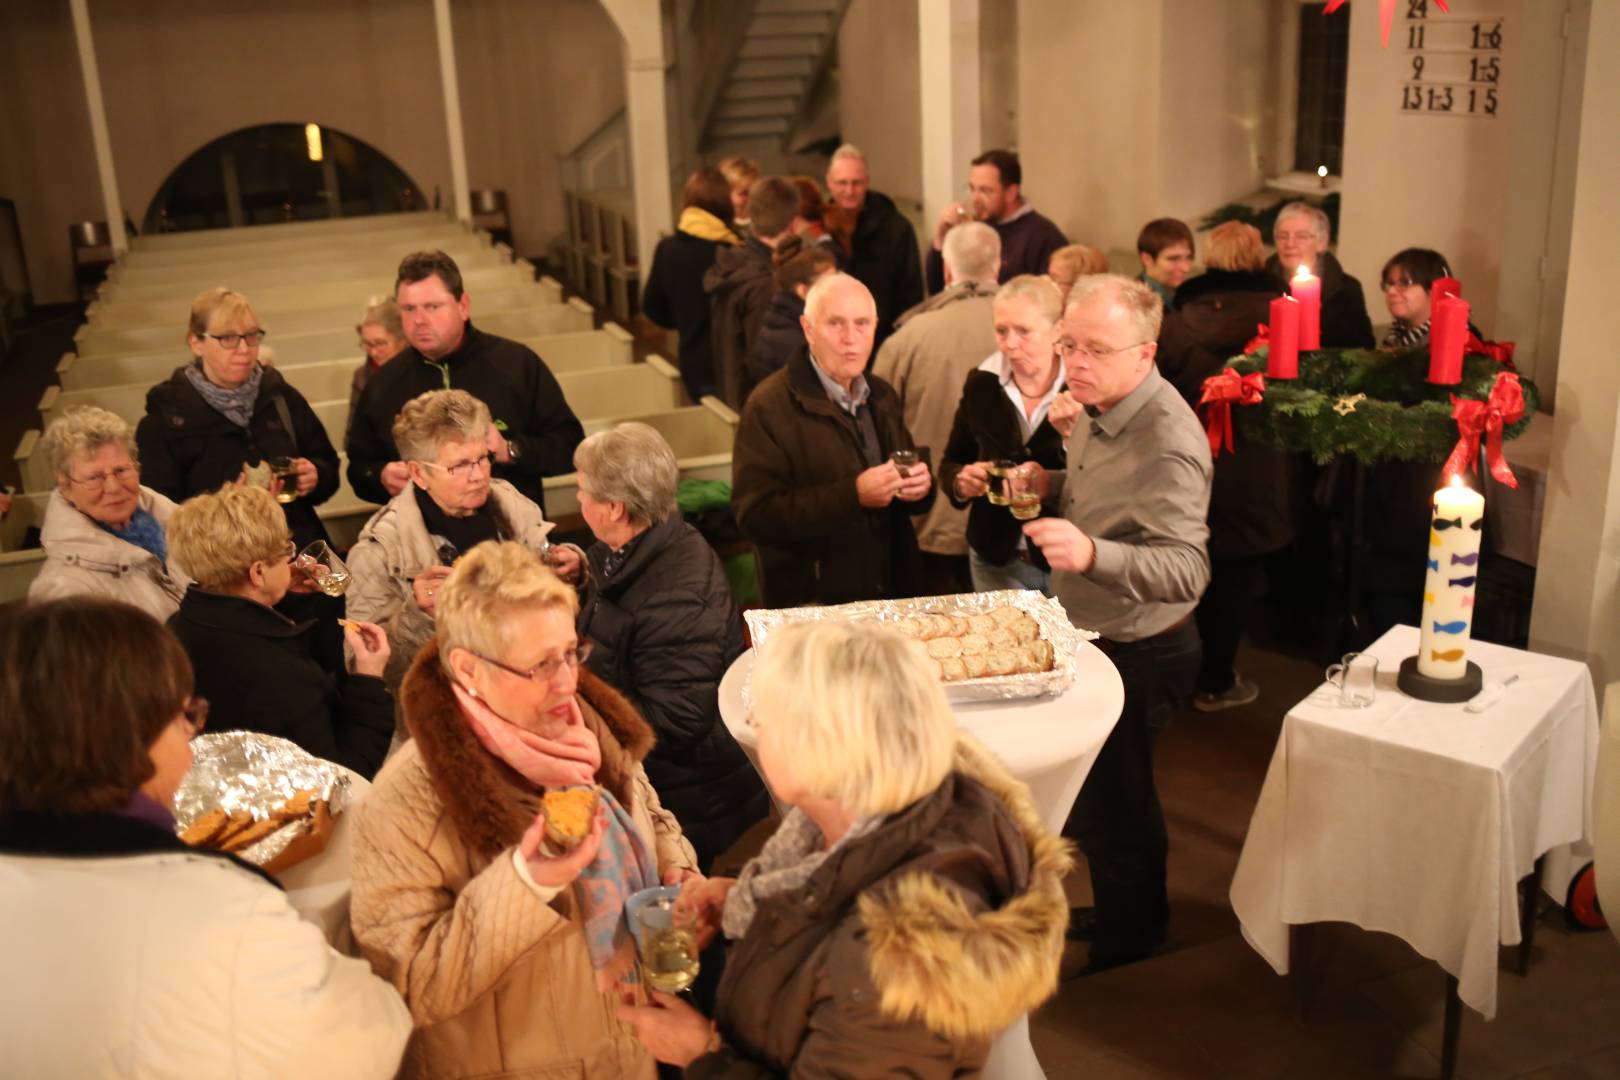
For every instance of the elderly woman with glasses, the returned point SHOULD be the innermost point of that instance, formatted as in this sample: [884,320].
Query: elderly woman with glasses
[225,411]
[382,337]
[261,669]
[103,531]
[659,610]
[127,953]
[909,907]
[505,949]
[451,505]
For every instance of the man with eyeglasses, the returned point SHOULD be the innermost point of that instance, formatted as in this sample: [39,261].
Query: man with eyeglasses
[995,197]
[1127,546]
[534,433]
[1302,232]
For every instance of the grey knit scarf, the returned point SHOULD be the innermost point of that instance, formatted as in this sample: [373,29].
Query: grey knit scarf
[786,862]
[235,405]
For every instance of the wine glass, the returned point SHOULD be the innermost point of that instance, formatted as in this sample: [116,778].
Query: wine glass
[996,492]
[1022,498]
[285,470]
[905,460]
[321,565]
[666,941]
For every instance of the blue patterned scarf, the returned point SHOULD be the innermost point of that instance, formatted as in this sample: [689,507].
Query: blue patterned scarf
[144,532]
[235,405]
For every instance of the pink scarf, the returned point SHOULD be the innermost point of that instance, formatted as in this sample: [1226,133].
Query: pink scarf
[571,758]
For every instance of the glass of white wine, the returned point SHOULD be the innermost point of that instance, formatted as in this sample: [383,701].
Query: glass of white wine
[285,470]
[321,565]
[1022,498]
[666,942]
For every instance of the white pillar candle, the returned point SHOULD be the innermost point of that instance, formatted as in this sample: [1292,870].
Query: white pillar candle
[1448,588]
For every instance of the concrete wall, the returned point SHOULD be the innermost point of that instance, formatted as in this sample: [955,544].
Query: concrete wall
[879,96]
[1478,190]
[535,80]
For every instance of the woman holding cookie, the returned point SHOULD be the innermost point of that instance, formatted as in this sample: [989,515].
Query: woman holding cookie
[126,953]
[499,922]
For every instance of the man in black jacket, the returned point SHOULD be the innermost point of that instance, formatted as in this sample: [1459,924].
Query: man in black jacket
[1027,237]
[739,283]
[535,431]
[1302,233]
[883,248]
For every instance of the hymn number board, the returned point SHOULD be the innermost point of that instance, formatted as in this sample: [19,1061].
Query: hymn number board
[1453,63]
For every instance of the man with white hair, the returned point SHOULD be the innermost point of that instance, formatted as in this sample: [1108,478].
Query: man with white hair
[814,485]
[1302,232]
[927,359]
[883,251]
[1129,560]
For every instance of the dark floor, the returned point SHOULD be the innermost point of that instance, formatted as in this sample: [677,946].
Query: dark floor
[26,369]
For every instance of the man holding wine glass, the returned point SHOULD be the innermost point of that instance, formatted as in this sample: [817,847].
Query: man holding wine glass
[261,670]
[1128,554]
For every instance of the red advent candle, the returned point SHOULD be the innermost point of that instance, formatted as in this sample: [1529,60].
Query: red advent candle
[1448,333]
[1307,289]
[1444,286]
[1282,358]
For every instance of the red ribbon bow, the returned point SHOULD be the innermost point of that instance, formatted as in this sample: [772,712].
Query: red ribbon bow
[1500,351]
[1259,341]
[1504,406]
[1220,392]
[1386,13]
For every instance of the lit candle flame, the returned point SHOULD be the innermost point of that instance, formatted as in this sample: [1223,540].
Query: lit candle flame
[1321,170]
[1302,272]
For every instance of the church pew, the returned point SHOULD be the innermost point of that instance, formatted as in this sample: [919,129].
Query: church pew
[250,242]
[290,230]
[247,271]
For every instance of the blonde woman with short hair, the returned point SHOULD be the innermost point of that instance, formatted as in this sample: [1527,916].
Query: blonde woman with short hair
[103,532]
[225,411]
[404,554]
[909,907]
[505,950]
[262,670]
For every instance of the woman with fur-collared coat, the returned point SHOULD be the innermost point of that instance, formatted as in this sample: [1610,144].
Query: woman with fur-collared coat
[496,944]
[909,908]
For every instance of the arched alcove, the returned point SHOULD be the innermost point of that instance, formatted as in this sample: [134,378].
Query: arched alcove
[279,172]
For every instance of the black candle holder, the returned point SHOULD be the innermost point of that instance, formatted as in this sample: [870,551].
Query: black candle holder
[1413,683]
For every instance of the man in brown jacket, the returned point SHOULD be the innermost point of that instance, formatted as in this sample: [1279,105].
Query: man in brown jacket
[813,485]
[926,360]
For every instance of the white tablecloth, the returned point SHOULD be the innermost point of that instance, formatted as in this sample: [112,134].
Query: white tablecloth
[1049,743]
[1419,819]
[318,888]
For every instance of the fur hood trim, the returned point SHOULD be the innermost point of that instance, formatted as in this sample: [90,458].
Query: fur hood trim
[965,974]
[483,796]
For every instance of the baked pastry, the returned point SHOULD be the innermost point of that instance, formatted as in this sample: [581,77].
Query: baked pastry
[205,828]
[1001,641]
[569,812]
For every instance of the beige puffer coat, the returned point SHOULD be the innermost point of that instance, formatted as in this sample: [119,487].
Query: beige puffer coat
[498,980]
[395,546]
[83,559]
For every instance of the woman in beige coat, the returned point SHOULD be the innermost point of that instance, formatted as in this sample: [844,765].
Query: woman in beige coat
[451,504]
[497,946]
[103,531]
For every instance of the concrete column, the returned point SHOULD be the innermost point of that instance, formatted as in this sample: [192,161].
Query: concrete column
[112,205]
[1575,612]
[459,191]
[948,69]
[641,23]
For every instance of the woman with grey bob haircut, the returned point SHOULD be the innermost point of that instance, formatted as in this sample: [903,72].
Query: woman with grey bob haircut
[103,532]
[657,604]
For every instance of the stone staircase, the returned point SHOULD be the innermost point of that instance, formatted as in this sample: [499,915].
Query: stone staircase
[784,49]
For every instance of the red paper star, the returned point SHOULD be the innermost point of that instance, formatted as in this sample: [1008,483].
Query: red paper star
[1386,13]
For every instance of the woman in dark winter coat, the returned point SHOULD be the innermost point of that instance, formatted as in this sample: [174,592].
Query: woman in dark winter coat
[780,335]
[909,908]
[675,298]
[1251,508]
[225,411]
[261,670]
[990,427]
[659,609]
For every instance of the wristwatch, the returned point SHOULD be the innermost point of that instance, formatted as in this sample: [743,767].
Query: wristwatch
[512,450]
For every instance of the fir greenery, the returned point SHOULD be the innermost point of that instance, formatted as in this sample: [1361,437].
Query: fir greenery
[1403,417]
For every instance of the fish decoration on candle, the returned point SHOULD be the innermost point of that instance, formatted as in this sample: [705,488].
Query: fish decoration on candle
[1463,582]
[1465,560]
[1449,656]
[1448,602]
[1451,627]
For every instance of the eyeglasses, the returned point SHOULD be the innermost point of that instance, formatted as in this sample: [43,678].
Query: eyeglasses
[1301,237]
[231,341]
[1070,349]
[462,470]
[546,670]
[121,476]
[195,713]
[1398,283]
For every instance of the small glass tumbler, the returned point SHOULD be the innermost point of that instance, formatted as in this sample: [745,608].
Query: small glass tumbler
[666,943]
[1356,678]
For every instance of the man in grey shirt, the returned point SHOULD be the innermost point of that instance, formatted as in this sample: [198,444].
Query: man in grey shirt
[1129,560]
